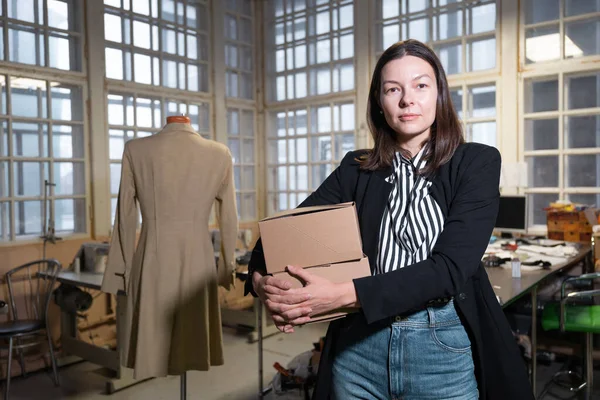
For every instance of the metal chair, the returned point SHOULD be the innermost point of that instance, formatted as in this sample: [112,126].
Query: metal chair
[584,318]
[29,327]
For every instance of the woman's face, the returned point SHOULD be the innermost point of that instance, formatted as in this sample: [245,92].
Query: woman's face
[408,97]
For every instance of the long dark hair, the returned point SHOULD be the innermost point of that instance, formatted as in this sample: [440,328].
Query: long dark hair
[446,131]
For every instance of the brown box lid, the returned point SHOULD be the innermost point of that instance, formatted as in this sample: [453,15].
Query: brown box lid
[311,236]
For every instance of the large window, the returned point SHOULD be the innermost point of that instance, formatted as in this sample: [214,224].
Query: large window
[560,29]
[561,102]
[160,43]
[463,33]
[133,116]
[36,37]
[310,48]
[239,41]
[42,131]
[304,146]
[310,54]
[41,139]
[562,140]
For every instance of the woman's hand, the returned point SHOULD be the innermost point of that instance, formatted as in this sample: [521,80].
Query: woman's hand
[320,294]
[274,293]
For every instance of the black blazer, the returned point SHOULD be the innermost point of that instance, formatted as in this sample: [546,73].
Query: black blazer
[466,189]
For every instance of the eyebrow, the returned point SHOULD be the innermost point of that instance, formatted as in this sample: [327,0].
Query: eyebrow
[416,78]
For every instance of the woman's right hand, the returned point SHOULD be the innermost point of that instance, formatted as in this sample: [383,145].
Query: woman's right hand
[278,296]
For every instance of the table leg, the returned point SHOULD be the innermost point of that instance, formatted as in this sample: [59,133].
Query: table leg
[534,339]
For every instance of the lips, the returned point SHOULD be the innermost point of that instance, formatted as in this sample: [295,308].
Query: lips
[409,117]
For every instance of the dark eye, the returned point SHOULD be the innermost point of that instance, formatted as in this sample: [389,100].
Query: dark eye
[422,85]
[392,90]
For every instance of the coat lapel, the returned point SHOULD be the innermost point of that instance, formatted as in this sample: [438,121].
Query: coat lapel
[371,197]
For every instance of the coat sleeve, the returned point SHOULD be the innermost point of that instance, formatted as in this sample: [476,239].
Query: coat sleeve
[329,192]
[456,254]
[122,244]
[228,226]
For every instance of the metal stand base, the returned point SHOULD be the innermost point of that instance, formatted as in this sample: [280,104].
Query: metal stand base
[183,389]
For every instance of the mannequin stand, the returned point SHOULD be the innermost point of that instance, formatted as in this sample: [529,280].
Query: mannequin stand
[183,388]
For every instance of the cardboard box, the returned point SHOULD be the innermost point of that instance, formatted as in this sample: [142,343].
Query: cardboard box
[311,236]
[324,239]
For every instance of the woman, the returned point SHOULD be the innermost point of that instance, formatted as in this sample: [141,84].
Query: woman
[429,325]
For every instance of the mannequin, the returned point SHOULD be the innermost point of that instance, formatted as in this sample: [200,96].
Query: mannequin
[173,321]
[181,119]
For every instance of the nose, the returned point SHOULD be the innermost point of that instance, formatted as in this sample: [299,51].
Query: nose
[406,100]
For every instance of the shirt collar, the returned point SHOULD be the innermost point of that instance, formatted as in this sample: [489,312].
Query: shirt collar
[417,162]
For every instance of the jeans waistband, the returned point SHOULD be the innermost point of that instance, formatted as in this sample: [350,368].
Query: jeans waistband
[434,303]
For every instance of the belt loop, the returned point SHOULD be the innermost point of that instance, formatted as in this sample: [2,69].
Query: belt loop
[431,314]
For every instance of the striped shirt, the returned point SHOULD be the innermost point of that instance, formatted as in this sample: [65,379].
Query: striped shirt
[412,220]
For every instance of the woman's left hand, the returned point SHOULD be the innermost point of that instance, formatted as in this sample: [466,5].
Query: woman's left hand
[325,296]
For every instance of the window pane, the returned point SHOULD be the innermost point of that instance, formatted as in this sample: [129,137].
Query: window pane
[70,215]
[321,148]
[5,228]
[28,218]
[583,91]
[67,141]
[541,10]
[447,25]
[249,206]
[248,182]
[69,178]
[114,63]
[483,132]
[4,179]
[248,150]
[578,7]
[482,101]
[233,122]
[537,203]
[28,98]
[456,95]
[320,172]
[247,123]
[234,147]
[24,45]
[582,38]
[388,8]
[542,44]
[541,134]
[3,138]
[582,170]
[582,132]
[27,178]
[343,144]
[115,178]
[481,54]
[541,95]
[587,199]
[66,102]
[482,19]
[543,171]
[26,139]
[63,52]
[450,57]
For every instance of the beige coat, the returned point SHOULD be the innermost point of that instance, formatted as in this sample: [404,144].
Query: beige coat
[173,320]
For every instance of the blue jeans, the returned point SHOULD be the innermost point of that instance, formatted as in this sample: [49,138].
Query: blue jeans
[426,355]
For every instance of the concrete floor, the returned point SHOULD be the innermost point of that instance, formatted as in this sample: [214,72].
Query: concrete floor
[236,380]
